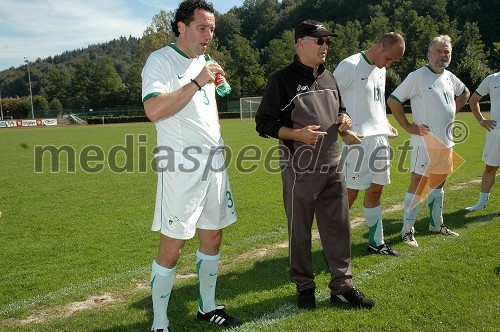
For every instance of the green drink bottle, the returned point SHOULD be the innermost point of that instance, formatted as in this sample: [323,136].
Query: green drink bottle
[221,86]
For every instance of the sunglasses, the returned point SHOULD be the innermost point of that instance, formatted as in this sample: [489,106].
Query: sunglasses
[319,41]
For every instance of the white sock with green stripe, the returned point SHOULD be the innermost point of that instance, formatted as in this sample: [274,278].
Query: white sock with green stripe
[162,282]
[435,201]
[208,268]
[481,204]
[373,218]
[410,211]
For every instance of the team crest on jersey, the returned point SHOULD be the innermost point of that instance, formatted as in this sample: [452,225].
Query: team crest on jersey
[173,221]
[355,177]
[302,88]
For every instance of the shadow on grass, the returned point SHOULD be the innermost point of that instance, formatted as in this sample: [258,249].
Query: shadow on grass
[263,276]
[266,276]
[392,227]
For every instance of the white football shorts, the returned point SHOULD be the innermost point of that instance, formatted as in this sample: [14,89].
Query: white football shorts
[491,152]
[367,163]
[426,161]
[196,195]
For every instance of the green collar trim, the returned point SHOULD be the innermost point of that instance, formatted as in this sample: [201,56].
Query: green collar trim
[178,50]
[366,58]
[431,69]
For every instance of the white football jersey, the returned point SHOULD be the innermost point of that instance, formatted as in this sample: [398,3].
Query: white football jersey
[196,127]
[491,85]
[362,89]
[432,98]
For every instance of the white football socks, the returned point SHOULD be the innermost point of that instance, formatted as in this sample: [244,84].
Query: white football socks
[435,201]
[208,268]
[481,204]
[412,204]
[373,218]
[162,282]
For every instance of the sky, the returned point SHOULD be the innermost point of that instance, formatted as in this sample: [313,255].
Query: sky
[42,28]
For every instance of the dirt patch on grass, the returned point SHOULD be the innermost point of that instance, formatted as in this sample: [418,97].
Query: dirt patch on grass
[92,302]
[458,186]
[95,302]
[261,252]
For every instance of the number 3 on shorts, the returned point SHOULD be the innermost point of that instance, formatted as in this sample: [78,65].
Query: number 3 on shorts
[230,202]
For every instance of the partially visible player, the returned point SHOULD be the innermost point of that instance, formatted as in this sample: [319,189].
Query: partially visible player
[491,154]
[361,80]
[436,95]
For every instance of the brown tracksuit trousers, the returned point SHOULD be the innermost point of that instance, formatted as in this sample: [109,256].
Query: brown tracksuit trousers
[322,194]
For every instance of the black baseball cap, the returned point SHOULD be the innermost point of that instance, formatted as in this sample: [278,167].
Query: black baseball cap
[312,28]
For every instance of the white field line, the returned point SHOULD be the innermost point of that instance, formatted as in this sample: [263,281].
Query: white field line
[323,295]
[141,271]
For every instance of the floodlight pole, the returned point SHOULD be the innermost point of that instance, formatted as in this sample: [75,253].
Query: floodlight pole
[1,107]
[31,94]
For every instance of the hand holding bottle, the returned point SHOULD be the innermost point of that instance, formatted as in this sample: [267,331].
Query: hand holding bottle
[221,85]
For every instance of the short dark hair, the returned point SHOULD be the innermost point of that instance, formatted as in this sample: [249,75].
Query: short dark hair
[185,12]
[391,38]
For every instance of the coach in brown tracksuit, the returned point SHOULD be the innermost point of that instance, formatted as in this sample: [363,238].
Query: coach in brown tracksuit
[301,106]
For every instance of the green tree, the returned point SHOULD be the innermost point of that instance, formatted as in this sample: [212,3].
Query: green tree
[108,84]
[495,57]
[258,20]
[245,73]
[56,105]
[418,32]
[469,56]
[279,53]
[376,28]
[81,87]
[95,83]
[346,44]
[59,79]
[227,27]
[40,103]
[11,108]
[25,108]
[156,36]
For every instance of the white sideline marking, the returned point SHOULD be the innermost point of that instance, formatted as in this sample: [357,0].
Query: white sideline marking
[97,283]
[323,295]
[141,271]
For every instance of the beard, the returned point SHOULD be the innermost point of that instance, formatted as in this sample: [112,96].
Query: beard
[442,64]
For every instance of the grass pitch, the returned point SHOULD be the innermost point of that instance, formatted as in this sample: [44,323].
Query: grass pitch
[76,249]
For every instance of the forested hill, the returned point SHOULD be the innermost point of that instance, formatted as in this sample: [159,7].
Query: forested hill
[254,40]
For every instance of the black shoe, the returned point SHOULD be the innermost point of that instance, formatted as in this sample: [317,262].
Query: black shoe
[307,299]
[219,317]
[383,249]
[354,298]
